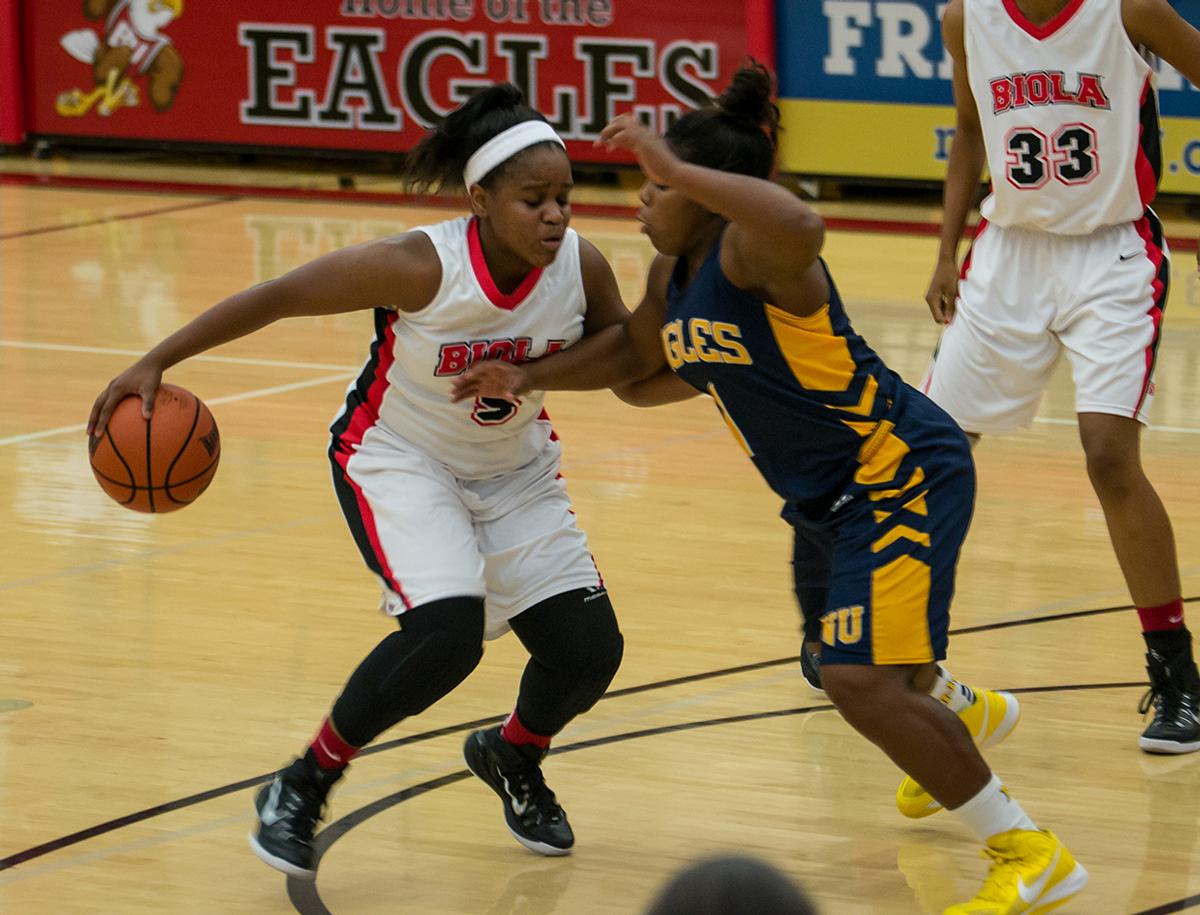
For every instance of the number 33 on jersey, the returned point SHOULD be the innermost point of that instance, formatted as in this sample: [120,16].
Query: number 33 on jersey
[1072,146]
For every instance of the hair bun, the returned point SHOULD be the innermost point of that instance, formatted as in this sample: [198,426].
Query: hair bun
[499,95]
[438,160]
[748,97]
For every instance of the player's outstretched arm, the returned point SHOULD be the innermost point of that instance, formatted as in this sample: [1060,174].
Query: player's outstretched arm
[661,388]
[401,272]
[963,172]
[618,353]
[770,227]
[1155,25]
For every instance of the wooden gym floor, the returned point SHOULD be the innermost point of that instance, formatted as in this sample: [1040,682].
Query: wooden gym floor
[153,669]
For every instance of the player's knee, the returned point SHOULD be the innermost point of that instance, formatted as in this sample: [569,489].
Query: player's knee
[607,643]
[575,633]
[1112,470]
[437,647]
[456,654]
[596,646]
[1110,444]
[591,680]
[606,659]
[447,632]
[860,692]
[844,684]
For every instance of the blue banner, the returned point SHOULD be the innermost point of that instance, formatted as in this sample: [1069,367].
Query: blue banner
[891,51]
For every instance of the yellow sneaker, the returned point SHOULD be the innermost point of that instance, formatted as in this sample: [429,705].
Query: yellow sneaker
[1032,871]
[990,718]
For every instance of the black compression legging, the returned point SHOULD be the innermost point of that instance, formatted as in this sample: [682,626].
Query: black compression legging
[812,558]
[438,645]
[572,638]
[575,649]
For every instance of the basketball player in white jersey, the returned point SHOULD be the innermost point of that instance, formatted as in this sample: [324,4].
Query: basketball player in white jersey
[1058,98]
[459,508]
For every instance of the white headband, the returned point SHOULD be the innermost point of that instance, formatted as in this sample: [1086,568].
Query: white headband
[506,144]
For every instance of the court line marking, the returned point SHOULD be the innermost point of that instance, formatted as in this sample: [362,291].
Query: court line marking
[1177,906]
[245,395]
[287,364]
[892,226]
[1153,427]
[364,786]
[438,781]
[203,357]
[151,555]
[82,835]
[306,898]
[85,223]
[142,557]
[276,192]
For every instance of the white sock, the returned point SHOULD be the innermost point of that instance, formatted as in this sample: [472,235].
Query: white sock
[992,811]
[954,695]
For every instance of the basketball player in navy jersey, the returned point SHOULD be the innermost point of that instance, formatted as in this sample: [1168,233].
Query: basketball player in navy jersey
[1058,98]
[740,306]
[459,509]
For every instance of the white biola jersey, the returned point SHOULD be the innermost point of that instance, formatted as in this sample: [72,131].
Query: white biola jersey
[405,385]
[1069,116]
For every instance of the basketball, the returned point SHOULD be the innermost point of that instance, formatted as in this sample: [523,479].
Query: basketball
[160,464]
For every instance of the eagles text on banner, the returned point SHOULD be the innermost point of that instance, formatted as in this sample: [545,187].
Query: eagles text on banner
[364,74]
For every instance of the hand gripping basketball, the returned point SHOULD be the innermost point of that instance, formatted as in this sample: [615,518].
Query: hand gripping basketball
[140,378]
[156,460]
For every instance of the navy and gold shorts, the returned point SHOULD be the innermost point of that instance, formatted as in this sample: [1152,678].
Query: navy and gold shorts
[896,533]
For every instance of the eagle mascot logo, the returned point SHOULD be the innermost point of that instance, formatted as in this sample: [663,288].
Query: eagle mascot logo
[131,45]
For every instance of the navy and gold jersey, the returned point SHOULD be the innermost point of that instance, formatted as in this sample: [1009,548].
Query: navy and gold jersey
[802,395]
[874,474]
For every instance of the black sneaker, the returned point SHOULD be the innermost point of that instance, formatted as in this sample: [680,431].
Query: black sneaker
[810,668]
[1175,695]
[289,807]
[533,816]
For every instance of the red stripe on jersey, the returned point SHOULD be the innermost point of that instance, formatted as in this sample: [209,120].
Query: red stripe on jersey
[599,576]
[366,413]
[1155,253]
[929,376]
[1147,180]
[1047,29]
[372,532]
[545,418]
[364,416]
[507,301]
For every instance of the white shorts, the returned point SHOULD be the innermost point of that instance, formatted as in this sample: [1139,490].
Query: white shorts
[429,535]
[1025,296]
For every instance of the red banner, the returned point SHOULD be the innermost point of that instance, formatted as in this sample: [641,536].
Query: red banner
[12,112]
[364,74]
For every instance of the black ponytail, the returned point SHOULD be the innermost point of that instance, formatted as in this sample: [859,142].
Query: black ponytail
[437,162]
[737,132]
